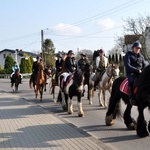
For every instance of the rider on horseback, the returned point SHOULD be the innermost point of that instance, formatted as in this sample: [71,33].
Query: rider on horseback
[69,66]
[101,64]
[35,68]
[58,64]
[134,64]
[83,62]
[15,69]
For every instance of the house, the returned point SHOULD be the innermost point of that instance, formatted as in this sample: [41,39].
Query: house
[17,55]
[129,40]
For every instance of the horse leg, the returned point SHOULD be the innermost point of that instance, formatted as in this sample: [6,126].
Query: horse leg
[100,97]
[80,109]
[104,98]
[70,106]
[129,122]
[45,87]
[91,93]
[41,93]
[113,105]
[64,107]
[141,123]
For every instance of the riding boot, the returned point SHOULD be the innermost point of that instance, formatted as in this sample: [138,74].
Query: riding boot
[131,96]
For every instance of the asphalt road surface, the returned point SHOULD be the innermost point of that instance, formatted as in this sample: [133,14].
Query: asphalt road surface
[93,122]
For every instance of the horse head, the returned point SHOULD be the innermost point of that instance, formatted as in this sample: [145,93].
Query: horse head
[113,70]
[78,79]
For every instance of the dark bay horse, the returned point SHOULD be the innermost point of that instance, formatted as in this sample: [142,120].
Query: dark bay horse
[38,83]
[74,86]
[142,97]
[110,74]
[15,80]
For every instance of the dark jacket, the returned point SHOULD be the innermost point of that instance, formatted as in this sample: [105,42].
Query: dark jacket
[134,62]
[35,67]
[70,64]
[83,63]
[58,64]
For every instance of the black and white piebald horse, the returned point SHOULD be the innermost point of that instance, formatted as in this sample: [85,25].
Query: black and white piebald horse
[70,86]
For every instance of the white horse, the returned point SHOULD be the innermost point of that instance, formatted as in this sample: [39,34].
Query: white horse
[110,74]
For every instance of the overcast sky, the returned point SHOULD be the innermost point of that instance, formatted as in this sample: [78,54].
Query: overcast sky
[70,24]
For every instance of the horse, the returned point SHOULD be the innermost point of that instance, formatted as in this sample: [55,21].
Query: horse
[15,80]
[87,73]
[74,86]
[142,97]
[52,85]
[111,72]
[38,83]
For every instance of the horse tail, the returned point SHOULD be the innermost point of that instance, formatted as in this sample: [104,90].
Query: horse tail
[114,101]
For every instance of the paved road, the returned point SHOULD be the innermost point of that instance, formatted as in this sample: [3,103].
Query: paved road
[116,137]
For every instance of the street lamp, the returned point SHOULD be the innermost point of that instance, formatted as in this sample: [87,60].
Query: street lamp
[42,42]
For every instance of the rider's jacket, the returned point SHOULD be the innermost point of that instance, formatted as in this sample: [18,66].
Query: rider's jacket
[134,62]
[14,68]
[35,67]
[70,64]
[83,63]
[58,64]
[101,62]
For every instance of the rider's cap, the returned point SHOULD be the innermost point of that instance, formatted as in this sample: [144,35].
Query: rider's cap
[137,44]
[101,51]
[59,55]
[70,52]
[83,54]
[38,57]
[15,62]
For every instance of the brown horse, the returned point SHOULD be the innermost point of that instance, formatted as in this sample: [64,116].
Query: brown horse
[52,86]
[40,81]
[15,80]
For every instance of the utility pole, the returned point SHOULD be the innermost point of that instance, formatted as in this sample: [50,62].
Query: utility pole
[42,41]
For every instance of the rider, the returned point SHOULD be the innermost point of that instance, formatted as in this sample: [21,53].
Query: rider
[83,62]
[134,64]
[69,66]
[70,62]
[35,68]
[101,64]
[58,64]
[15,68]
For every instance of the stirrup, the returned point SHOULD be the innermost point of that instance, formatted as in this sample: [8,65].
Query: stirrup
[132,101]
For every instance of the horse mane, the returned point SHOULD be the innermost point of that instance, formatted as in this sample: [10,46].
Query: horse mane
[144,77]
[78,76]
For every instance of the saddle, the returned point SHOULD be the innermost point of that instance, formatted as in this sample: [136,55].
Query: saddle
[65,83]
[124,87]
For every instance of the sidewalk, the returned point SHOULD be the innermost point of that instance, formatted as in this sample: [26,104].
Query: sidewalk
[26,126]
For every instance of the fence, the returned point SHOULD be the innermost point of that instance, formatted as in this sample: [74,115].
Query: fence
[26,75]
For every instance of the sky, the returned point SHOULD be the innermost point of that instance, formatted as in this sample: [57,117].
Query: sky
[70,24]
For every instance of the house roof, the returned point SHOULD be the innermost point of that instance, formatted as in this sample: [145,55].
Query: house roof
[130,39]
[21,53]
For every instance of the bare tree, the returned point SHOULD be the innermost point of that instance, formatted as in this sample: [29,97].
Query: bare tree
[138,26]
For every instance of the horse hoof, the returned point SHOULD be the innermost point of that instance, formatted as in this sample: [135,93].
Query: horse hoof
[131,126]
[101,105]
[142,134]
[64,108]
[90,103]
[81,115]
[109,120]
[70,112]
